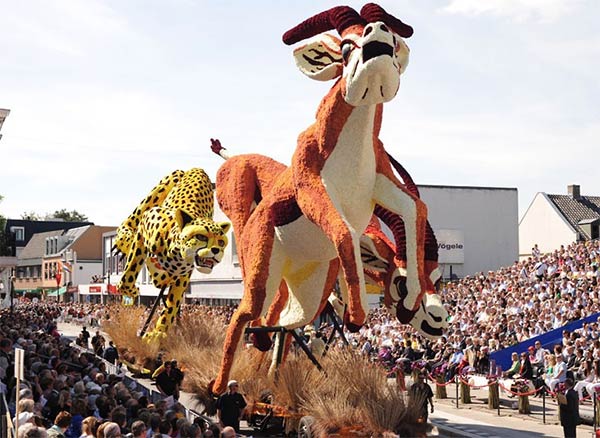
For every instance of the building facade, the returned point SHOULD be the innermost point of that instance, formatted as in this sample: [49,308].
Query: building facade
[56,262]
[476,227]
[19,231]
[554,220]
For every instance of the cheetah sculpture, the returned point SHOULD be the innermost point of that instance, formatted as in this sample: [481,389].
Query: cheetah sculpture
[172,231]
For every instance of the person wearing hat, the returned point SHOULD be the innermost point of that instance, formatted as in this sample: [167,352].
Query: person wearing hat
[230,406]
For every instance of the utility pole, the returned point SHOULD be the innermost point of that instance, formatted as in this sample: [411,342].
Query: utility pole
[12,292]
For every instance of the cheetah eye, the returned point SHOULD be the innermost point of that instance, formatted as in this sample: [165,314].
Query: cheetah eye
[221,243]
[201,238]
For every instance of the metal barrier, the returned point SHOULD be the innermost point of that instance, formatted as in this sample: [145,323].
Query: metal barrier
[476,381]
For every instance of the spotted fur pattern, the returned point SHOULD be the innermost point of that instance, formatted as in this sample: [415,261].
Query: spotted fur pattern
[172,231]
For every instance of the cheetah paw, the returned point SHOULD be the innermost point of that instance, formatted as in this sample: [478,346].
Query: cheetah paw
[154,336]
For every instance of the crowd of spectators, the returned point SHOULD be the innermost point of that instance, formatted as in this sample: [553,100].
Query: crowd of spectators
[498,309]
[488,311]
[67,390]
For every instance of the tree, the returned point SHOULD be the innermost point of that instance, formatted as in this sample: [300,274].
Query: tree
[30,216]
[69,216]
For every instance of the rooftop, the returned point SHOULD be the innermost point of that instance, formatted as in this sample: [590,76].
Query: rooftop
[578,210]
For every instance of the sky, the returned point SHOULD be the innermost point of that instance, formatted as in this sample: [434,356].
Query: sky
[107,97]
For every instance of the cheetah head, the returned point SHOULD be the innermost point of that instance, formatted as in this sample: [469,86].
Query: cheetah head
[201,241]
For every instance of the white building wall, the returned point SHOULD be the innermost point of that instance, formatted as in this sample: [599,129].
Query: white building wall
[488,219]
[83,271]
[542,224]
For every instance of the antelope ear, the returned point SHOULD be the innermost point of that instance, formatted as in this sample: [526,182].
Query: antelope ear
[402,54]
[320,59]
[370,256]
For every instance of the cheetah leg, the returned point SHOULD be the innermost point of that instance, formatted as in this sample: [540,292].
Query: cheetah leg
[135,261]
[126,231]
[169,312]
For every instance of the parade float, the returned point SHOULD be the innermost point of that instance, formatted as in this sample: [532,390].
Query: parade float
[302,231]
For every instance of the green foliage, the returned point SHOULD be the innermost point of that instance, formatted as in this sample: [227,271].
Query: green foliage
[31,216]
[69,216]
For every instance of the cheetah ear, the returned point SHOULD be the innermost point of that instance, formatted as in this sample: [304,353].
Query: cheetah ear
[182,218]
[225,226]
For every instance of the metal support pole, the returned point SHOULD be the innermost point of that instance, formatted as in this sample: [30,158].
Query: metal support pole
[12,292]
[281,346]
[305,348]
[543,405]
[336,328]
[498,383]
[158,300]
[456,381]
[595,414]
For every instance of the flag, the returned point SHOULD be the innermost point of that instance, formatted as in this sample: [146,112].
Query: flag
[67,267]
[58,273]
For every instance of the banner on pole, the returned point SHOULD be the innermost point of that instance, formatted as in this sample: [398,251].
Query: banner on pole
[19,362]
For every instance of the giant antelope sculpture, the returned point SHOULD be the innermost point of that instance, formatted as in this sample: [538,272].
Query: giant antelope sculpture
[309,224]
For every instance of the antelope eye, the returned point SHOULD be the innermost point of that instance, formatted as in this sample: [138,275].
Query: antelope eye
[346,50]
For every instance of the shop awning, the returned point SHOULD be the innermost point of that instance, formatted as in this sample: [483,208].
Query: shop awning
[58,292]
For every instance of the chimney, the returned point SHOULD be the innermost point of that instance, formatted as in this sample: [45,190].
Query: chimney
[574,191]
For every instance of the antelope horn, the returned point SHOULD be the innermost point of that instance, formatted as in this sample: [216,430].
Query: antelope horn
[408,181]
[373,13]
[339,18]
[431,248]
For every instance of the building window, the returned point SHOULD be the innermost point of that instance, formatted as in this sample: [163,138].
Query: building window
[19,233]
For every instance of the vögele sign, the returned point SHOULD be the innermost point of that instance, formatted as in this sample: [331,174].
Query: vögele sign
[451,246]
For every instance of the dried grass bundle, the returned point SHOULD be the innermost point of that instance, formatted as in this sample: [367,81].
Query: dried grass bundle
[295,378]
[123,327]
[193,330]
[250,369]
[356,393]
[351,393]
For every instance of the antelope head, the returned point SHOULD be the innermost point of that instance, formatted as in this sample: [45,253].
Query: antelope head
[369,58]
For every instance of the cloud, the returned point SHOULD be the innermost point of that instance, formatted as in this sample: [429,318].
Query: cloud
[519,10]
[66,28]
